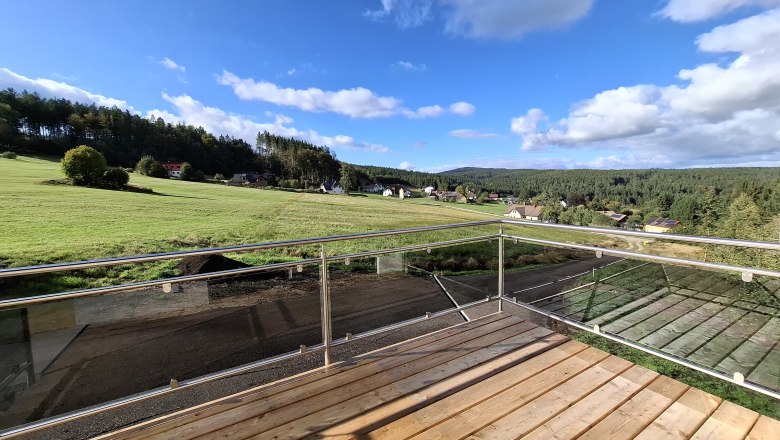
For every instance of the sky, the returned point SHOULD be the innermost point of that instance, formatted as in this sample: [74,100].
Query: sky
[427,85]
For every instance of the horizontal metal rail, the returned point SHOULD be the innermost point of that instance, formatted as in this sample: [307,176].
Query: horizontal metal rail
[58,267]
[654,235]
[639,256]
[74,415]
[412,248]
[62,296]
[684,362]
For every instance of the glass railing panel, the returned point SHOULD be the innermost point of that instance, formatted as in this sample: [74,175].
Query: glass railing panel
[61,356]
[711,318]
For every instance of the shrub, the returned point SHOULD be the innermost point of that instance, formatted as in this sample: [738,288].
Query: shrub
[8,155]
[219,176]
[115,177]
[186,171]
[148,166]
[84,165]
[198,176]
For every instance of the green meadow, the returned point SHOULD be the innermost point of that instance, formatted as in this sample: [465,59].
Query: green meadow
[46,223]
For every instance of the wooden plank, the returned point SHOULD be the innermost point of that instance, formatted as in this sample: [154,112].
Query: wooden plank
[765,428]
[593,408]
[475,403]
[698,336]
[714,351]
[631,418]
[368,363]
[543,408]
[729,421]
[644,313]
[679,327]
[261,416]
[683,418]
[660,319]
[402,417]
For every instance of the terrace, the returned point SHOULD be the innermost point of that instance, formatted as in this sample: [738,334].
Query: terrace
[449,332]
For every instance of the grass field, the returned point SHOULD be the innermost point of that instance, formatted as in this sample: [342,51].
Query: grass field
[45,223]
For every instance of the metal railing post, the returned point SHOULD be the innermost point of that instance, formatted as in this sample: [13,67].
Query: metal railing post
[327,336]
[501,268]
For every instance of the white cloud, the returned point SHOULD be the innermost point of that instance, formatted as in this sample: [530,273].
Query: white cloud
[484,18]
[357,102]
[462,108]
[170,64]
[409,67]
[687,11]
[54,89]
[751,35]
[217,121]
[510,18]
[722,113]
[430,111]
[406,166]
[292,71]
[405,13]
[471,134]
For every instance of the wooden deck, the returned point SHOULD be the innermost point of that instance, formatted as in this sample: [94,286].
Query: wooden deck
[495,377]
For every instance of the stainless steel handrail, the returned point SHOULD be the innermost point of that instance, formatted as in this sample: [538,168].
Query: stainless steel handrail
[61,296]
[57,267]
[655,235]
[637,255]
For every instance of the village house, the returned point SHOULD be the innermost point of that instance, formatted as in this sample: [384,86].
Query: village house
[616,216]
[173,169]
[331,187]
[526,212]
[658,224]
[375,188]
[428,190]
[387,192]
[245,177]
[493,197]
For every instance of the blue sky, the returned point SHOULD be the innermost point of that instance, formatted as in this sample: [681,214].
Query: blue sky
[428,84]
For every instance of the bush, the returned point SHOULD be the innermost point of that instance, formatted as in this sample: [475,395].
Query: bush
[219,176]
[8,155]
[84,165]
[148,166]
[115,177]
[198,176]
[186,171]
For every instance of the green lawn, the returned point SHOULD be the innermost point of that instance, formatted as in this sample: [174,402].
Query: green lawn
[46,223]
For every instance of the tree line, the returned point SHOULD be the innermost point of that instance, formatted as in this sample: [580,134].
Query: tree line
[46,126]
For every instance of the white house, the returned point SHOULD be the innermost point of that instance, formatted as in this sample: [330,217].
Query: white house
[331,187]
[428,190]
[373,188]
[387,192]
[524,212]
